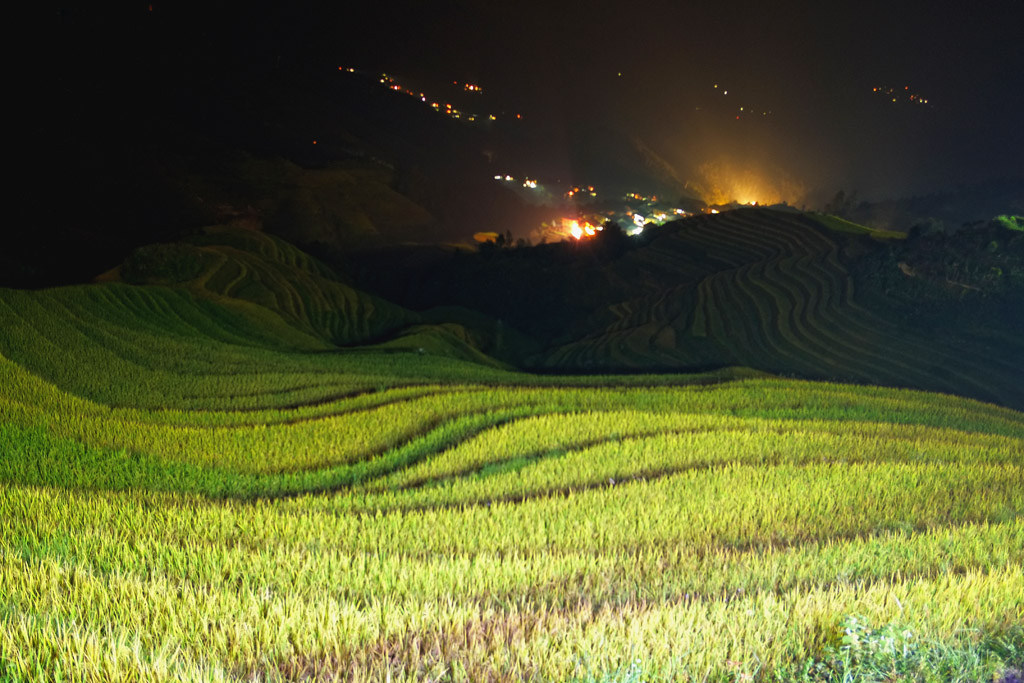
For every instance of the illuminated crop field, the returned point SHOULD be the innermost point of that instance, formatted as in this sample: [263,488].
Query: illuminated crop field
[184,500]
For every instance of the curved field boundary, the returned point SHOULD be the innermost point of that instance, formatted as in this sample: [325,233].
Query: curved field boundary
[786,304]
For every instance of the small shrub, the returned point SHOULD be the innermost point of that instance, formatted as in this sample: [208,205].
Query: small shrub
[895,653]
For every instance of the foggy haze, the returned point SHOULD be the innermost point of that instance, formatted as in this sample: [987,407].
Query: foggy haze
[812,65]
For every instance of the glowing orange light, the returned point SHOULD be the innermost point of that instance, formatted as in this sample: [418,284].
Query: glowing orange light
[577,229]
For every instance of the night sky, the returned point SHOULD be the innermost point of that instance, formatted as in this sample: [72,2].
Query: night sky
[103,87]
[813,65]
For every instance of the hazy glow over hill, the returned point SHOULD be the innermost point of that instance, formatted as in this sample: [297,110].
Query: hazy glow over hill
[725,181]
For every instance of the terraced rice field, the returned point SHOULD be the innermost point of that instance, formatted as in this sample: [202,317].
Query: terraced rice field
[767,289]
[190,491]
[249,268]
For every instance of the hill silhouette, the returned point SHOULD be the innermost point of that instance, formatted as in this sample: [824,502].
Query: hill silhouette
[291,294]
[776,291]
[781,291]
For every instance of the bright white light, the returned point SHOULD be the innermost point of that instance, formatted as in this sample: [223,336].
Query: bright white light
[639,220]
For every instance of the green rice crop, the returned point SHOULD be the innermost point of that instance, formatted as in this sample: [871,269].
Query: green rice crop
[185,497]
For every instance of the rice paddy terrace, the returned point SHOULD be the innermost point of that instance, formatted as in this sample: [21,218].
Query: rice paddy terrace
[769,289]
[198,484]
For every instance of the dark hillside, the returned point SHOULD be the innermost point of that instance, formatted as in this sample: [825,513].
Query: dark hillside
[778,291]
[294,295]
[964,289]
[782,292]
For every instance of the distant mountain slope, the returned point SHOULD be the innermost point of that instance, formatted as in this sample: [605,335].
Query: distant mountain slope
[353,203]
[778,298]
[226,304]
[781,291]
[250,266]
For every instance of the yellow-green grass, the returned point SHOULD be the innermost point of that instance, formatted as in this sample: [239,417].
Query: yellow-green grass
[250,510]
[165,348]
[127,586]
